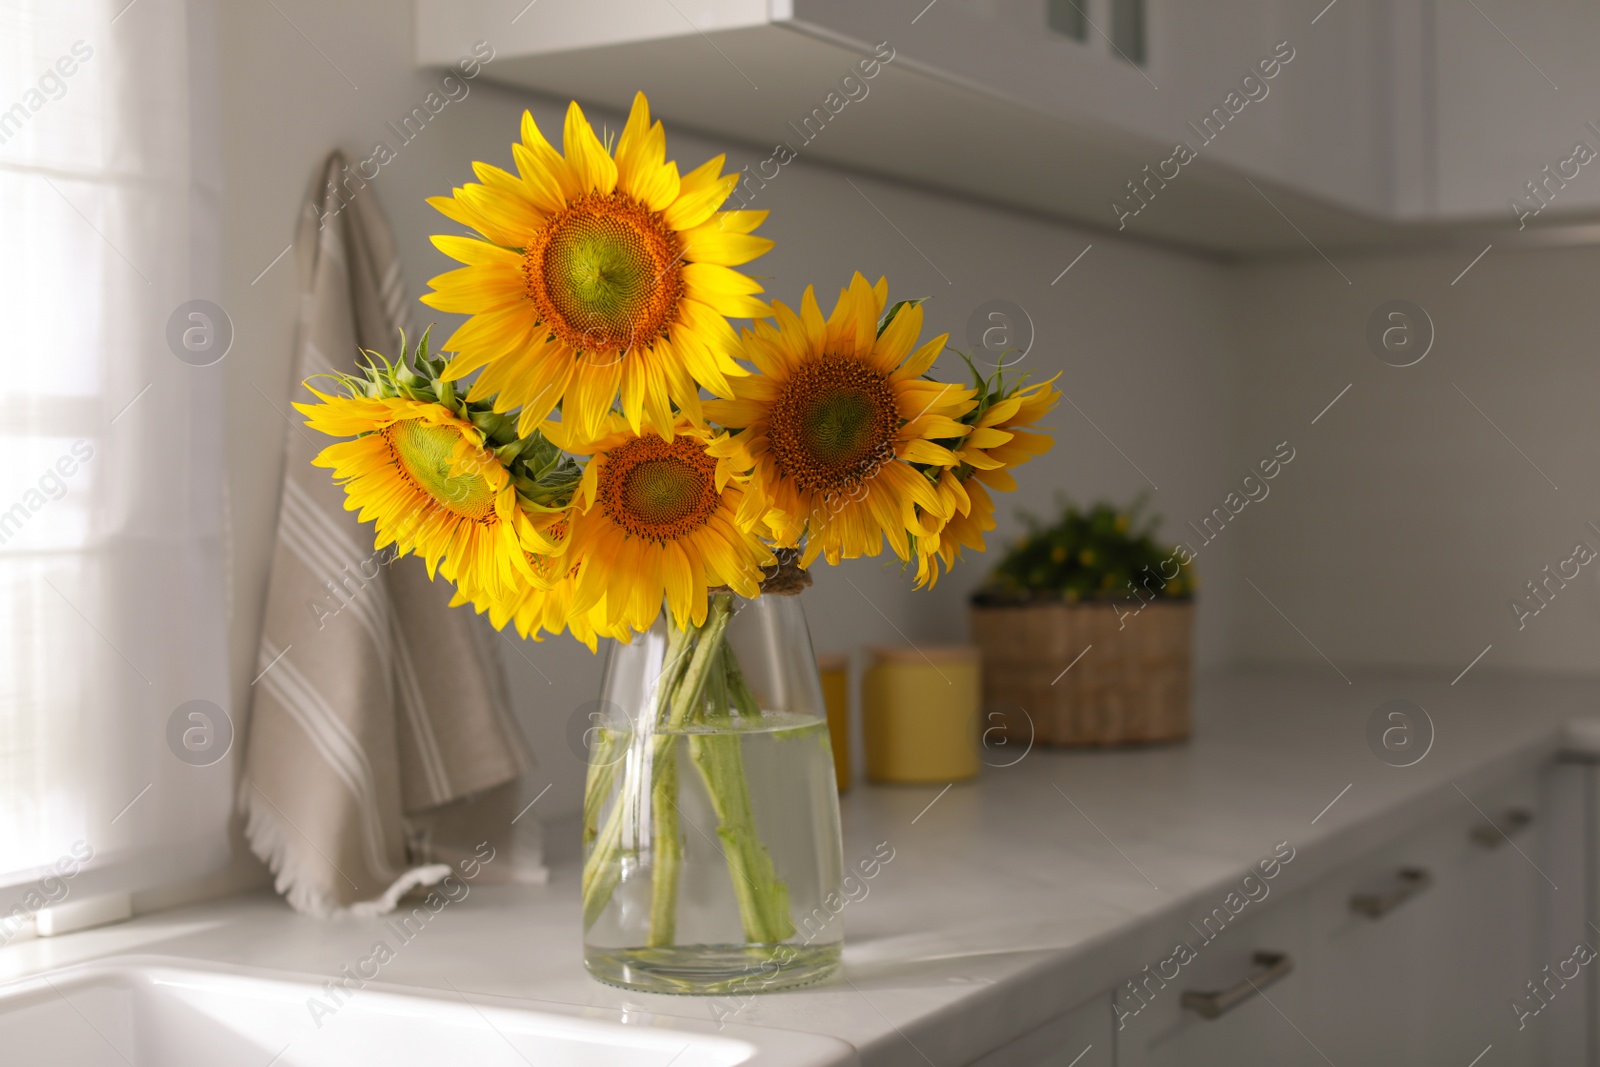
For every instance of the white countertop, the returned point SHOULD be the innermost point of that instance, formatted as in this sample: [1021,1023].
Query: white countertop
[1006,903]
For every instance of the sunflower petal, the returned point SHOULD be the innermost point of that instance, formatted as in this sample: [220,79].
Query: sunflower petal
[701,192]
[595,170]
[547,161]
[714,243]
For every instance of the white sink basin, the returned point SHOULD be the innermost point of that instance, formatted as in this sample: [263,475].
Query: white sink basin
[157,1012]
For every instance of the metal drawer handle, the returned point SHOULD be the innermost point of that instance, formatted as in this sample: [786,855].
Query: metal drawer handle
[1270,966]
[1513,822]
[1409,882]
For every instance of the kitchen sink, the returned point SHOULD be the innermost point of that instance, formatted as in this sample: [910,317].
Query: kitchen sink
[160,1012]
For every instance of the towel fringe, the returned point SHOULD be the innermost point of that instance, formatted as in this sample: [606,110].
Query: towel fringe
[268,836]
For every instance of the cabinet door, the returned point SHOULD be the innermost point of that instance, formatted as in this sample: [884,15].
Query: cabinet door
[1261,1016]
[1080,1038]
[1566,851]
[1414,955]
[1426,971]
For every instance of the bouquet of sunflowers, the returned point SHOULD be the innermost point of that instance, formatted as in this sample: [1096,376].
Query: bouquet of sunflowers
[601,446]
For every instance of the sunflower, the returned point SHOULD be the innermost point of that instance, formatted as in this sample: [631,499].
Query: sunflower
[545,605]
[423,476]
[597,275]
[654,519]
[835,420]
[998,440]
[971,512]
[997,443]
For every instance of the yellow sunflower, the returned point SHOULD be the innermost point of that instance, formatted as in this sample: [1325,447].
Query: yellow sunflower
[654,520]
[597,275]
[424,479]
[971,516]
[998,440]
[997,443]
[545,605]
[834,421]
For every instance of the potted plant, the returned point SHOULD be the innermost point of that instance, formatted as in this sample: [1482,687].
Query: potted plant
[1085,630]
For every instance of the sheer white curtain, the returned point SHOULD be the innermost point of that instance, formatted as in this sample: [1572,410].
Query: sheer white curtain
[112,608]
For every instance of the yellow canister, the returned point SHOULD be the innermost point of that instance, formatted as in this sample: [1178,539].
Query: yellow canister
[835,670]
[920,714]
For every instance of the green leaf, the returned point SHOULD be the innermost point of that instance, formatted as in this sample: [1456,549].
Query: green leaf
[894,309]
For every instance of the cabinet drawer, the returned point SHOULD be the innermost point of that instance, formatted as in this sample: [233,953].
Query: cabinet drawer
[1421,946]
[1265,943]
[1413,954]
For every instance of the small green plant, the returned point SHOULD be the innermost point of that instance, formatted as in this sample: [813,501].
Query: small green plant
[1093,554]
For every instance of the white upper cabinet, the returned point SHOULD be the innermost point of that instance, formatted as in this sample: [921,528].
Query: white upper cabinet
[1236,125]
[1517,95]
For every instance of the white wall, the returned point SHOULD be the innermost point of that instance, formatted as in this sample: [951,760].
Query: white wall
[1141,334]
[1408,522]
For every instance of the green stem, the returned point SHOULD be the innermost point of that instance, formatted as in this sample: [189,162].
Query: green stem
[743,699]
[603,764]
[702,685]
[601,871]
[666,835]
[666,857]
[672,667]
[687,694]
[763,899]
[676,696]
[769,897]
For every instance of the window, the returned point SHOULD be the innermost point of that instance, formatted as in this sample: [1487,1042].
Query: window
[111,597]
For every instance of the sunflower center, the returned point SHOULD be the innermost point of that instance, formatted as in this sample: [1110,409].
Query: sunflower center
[833,425]
[605,273]
[422,453]
[660,490]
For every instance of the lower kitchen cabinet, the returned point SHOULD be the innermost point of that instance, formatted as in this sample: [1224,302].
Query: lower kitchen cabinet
[1414,955]
[1080,1038]
[1243,982]
[1425,971]
[1566,1031]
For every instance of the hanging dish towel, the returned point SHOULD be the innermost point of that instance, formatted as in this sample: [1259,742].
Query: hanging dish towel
[376,705]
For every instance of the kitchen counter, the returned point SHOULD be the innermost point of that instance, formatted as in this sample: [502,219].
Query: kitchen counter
[1007,900]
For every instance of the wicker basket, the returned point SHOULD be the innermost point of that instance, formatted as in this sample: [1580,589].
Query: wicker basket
[1132,686]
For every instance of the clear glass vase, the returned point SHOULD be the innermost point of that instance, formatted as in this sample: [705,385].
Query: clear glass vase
[711,814]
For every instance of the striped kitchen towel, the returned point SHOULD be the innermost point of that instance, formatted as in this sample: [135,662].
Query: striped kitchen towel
[376,706]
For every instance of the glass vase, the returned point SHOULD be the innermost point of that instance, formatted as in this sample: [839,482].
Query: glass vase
[711,814]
